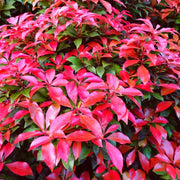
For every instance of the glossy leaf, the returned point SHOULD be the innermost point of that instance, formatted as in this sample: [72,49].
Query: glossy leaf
[119,137]
[20,168]
[144,162]
[144,74]
[163,105]
[130,158]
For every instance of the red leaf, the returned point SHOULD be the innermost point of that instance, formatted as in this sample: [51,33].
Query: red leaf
[112,128]
[63,150]
[93,98]
[85,176]
[31,79]
[140,175]
[144,162]
[92,124]
[49,155]
[27,135]
[111,175]
[171,171]
[72,91]
[163,105]
[4,110]
[129,63]
[50,74]
[20,168]
[156,134]
[39,141]
[37,114]
[80,136]
[159,167]
[115,155]
[1,166]
[20,114]
[130,92]
[163,158]
[39,168]
[177,110]
[119,107]
[8,149]
[113,81]
[177,156]
[130,157]
[61,121]
[107,5]
[144,74]
[168,149]
[119,137]
[51,113]
[52,176]
[57,95]
[160,119]
[76,149]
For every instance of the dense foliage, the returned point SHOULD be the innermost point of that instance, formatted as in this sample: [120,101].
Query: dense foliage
[90,90]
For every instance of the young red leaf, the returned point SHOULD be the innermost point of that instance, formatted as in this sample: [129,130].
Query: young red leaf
[57,95]
[92,124]
[163,158]
[85,176]
[159,167]
[107,5]
[72,91]
[8,149]
[39,141]
[130,157]
[20,114]
[61,121]
[130,92]
[93,98]
[119,107]
[140,175]
[50,74]
[37,114]
[163,105]
[144,74]
[63,150]
[1,166]
[76,149]
[112,128]
[27,135]
[51,113]
[160,119]
[144,162]
[177,156]
[31,79]
[20,168]
[113,81]
[80,136]
[119,137]
[52,176]
[115,155]
[111,175]
[177,110]
[49,155]
[171,171]
[129,63]
[156,134]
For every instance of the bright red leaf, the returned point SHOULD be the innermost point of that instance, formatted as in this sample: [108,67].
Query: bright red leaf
[143,74]
[130,157]
[144,162]
[163,105]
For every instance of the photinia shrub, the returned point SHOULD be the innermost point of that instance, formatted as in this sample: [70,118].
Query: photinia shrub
[87,94]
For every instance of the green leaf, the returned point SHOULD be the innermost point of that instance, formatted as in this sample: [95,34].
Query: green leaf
[15,96]
[70,164]
[93,34]
[78,42]
[38,97]
[84,152]
[157,96]
[91,69]
[26,92]
[147,152]
[9,5]
[100,71]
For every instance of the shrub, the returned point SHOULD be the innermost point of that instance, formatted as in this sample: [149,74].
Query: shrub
[87,94]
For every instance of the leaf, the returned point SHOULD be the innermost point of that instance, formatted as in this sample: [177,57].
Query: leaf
[119,137]
[20,114]
[61,121]
[80,136]
[168,148]
[85,176]
[20,168]
[100,71]
[27,135]
[177,110]
[49,155]
[171,171]
[92,124]
[57,95]
[39,141]
[76,148]
[160,119]
[51,113]
[63,150]
[72,91]
[50,74]
[130,92]
[78,42]
[163,105]
[8,149]
[52,176]
[143,74]
[119,107]
[115,155]
[156,134]
[107,5]
[93,98]
[130,158]
[144,162]
[112,174]
[177,156]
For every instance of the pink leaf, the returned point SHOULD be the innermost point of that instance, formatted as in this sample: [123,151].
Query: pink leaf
[51,113]
[160,119]
[130,92]
[130,158]
[49,155]
[144,162]
[92,124]
[31,79]
[50,74]
[119,137]
[72,91]
[20,168]
[115,155]
[76,149]
[171,171]
[107,5]
[177,156]
[63,150]
[144,74]
[20,114]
